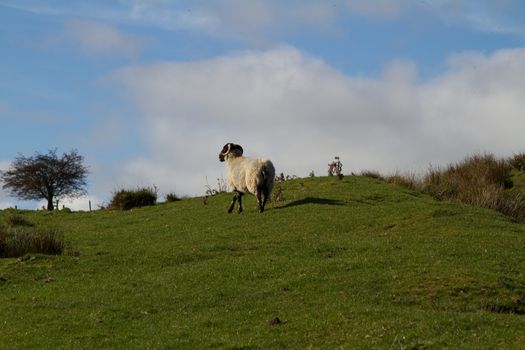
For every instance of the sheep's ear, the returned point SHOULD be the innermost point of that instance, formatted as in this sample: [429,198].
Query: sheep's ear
[239,148]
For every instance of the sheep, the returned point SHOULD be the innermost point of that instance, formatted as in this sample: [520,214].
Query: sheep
[247,175]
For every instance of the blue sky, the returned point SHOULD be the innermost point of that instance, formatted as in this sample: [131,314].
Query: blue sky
[150,91]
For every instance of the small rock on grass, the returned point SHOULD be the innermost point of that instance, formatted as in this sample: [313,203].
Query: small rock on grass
[275,321]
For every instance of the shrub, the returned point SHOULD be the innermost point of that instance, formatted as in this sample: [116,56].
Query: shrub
[372,174]
[222,187]
[18,241]
[513,205]
[476,180]
[128,199]
[518,161]
[480,180]
[172,197]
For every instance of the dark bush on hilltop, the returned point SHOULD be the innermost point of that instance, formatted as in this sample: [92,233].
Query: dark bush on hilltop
[172,197]
[372,174]
[480,180]
[16,241]
[129,199]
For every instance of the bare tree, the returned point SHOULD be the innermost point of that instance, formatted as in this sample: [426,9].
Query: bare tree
[46,176]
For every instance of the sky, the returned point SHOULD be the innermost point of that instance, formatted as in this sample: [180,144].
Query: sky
[149,91]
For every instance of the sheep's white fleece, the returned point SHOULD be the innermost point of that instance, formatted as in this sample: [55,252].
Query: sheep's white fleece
[246,174]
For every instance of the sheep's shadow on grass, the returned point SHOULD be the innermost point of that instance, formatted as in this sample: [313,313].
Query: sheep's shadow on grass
[312,200]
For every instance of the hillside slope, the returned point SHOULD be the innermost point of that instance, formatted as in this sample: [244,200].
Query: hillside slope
[355,263]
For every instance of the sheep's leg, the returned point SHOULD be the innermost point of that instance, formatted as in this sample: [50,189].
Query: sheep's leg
[259,201]
[262,197]
[232,204]
[240,201]
[265,198]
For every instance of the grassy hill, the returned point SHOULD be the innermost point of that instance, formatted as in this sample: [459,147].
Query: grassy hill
[356,263]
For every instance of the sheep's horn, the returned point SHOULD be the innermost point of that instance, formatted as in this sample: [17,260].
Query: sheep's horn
[228,150]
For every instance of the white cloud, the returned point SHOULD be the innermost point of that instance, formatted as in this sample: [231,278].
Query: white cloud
[260,22]
[94,38]
[171,17]
[478,104]
[269,21]
[492,16]
[300,112]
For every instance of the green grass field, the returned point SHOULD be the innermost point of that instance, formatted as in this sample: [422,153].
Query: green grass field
[354,264]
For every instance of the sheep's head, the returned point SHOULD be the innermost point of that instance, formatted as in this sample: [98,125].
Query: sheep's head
[230,150]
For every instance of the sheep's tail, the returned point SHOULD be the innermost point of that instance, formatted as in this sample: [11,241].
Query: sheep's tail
[268,176]
[264,177]
[264,174]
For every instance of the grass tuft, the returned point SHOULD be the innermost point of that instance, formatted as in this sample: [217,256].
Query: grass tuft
[18,241]
[14,220]
[481,180]
[478,180]
[408,180]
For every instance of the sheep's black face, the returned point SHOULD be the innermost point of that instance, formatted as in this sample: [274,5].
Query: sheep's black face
[232,148]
